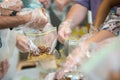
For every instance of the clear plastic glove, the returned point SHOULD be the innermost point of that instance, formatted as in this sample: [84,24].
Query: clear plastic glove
[46,3]
[12,4]
[93,29]
[39,19]
[75,58]
[33,48]
[64,31]
[61,4]
[22,43]
[4,65]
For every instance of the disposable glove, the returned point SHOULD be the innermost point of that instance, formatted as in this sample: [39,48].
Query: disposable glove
[22,43]
[12,4]
[64,31]
[39,19]
[75,58]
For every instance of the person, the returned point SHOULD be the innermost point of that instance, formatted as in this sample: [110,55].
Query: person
[75,16]
[110,29]
[12,18]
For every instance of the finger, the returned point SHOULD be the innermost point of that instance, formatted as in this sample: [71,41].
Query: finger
[23,46]
[61,37]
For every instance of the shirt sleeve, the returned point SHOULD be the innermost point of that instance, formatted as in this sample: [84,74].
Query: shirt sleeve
[85,3]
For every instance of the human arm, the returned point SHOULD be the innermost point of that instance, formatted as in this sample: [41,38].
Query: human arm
[74,17]
[22,43]
[7,21]
[80,53]
[76,14]
[13,21]
[103,11]
[5,12]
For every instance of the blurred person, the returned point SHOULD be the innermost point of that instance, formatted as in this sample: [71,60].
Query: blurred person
[75,16]
[109,29]
[14,21]
[19,19]
[10,18]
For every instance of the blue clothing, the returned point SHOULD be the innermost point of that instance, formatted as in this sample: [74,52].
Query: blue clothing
[90,5]
[32,3]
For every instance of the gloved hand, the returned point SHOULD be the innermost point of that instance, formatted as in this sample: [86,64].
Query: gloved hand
[12,4]
[75,58]
[64,31]
[22,43]
[93,29]
[4,65]
[38,20]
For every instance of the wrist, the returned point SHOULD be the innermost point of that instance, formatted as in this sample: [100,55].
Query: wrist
[5,12]
[27,18]
[68,22]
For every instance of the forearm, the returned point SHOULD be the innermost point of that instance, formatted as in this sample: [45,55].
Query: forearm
[76,14]
[5,12]
[103,11]
[100,36]
[9,22]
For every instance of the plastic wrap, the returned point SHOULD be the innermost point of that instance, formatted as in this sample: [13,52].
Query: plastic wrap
[8,43]
[38,20]
[77,56]
[12,4]
[104,60]
[64,31]
[44,40]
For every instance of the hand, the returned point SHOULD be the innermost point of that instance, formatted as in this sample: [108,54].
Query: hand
[22,43]
[73,60]
[39,19]
[46,3]
[61,4]
[67,67]
[4,65]
[12,4]
[64,31]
